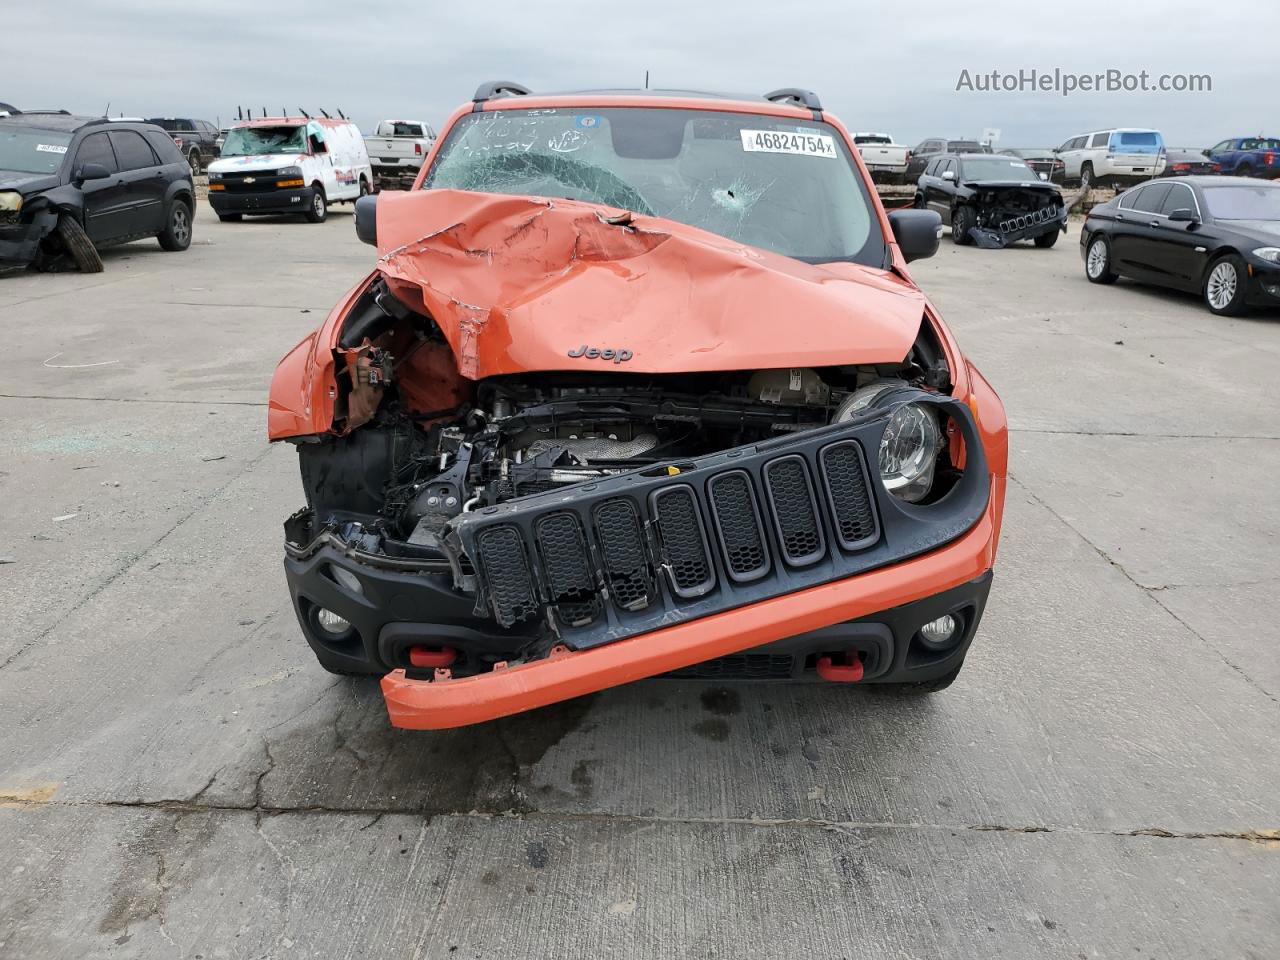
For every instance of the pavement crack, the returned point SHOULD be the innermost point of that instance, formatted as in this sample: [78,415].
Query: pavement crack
[157,400]
[1051,431]
[1266,836]
[1151,592]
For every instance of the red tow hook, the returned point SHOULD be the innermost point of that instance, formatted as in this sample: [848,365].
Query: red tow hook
[850,672]
[431,657]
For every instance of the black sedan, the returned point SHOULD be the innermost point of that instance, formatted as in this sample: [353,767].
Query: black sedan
[1216,236]
[1189,163]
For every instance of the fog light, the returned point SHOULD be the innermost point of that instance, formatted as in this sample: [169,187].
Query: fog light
[330,622]
[1272,288]
[940,632]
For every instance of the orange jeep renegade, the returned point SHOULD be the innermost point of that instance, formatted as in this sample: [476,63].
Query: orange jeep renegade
[640,385]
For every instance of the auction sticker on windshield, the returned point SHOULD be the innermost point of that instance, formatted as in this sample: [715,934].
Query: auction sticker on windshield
[779,141]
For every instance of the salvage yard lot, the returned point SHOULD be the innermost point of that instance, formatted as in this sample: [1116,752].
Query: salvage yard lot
[179,778]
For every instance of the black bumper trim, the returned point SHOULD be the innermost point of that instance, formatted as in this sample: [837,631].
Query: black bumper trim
[272,201]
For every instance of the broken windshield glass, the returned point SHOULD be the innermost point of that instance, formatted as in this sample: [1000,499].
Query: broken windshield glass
[785,185]
[259,141]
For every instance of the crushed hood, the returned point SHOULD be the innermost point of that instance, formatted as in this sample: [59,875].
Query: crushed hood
[527,284]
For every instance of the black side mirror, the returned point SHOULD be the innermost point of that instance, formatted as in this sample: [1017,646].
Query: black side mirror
[367,219]
[92,171]
[1183,215]
[917,232]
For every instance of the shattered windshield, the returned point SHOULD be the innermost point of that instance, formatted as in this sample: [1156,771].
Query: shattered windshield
[997,168]
[24,150]
[785,185]
[259,141]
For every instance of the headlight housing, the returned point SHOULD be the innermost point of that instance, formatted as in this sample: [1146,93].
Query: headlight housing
[1269,254]
[10,201]
[909,446]
[214,176]
[294,171]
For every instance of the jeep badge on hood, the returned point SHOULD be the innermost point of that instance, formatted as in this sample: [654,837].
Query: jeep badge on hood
[592,353]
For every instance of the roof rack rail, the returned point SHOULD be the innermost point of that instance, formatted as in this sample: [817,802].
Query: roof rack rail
[499,88]
[803,98]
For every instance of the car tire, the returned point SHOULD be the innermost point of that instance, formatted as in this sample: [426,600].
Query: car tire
[230,217]
[1244,170]
[1047,240]
[319,207]
[365,189]
[193,160]
[1097,261]
[962,221]
[918,201]
[1086,176]
[1226,284]
[78,244]
[921,688]
[176,235]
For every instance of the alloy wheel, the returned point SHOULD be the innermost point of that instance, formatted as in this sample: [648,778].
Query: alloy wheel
[181,224]
[1221,289]
[1097,261]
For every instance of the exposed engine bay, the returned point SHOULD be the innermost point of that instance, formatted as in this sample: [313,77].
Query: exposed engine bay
[1007,214]
[415,456]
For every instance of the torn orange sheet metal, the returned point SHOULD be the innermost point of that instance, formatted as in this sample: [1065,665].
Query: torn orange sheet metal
[522,284]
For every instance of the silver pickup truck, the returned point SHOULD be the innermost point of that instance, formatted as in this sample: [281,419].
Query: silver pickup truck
[886,161]
[397,148]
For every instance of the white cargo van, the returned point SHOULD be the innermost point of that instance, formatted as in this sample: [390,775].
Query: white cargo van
[289,165]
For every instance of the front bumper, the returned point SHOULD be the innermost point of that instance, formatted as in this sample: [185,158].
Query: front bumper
[19,242]
[955,577]
[265,201]
[1264,283]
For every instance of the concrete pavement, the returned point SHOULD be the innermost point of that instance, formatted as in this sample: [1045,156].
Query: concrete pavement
[179,779]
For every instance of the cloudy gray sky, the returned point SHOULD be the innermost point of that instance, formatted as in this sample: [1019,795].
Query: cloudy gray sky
[879,67]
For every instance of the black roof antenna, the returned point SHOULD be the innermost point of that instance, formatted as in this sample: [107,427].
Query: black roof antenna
[342,115]
[304,113]
[239,112]
[646,79]
[326,115]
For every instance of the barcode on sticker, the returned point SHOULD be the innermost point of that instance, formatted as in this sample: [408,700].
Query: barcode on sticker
[50,148]
[779,141]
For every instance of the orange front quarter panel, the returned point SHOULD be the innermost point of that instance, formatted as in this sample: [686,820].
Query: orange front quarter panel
[304,385]
[443,703]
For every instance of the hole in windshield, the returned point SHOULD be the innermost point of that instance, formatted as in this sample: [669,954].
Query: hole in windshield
[785,185]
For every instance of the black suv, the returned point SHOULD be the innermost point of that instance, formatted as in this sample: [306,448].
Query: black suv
[924,151]
[69,185]
[992,200]
[197,139]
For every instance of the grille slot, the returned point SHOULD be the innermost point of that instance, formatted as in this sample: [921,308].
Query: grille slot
[626,566]
[795,510]
[566,564]
[506,567]
[684,540]
[738,526]
[740,666]
[844,474]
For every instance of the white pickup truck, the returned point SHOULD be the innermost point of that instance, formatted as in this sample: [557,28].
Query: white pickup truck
[885,160]
[397,149]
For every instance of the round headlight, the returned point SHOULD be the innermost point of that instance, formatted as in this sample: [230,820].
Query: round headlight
[909,446]
[909,451]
